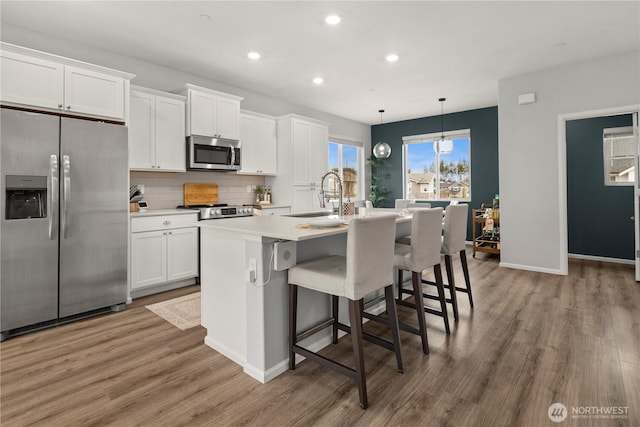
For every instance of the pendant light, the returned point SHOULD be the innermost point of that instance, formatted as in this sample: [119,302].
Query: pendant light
[443,146]
[381,150]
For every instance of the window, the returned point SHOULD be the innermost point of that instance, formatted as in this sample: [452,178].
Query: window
[619,161]
[435,169]
[346,159]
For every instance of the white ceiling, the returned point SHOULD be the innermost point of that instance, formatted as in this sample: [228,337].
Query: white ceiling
[455,49]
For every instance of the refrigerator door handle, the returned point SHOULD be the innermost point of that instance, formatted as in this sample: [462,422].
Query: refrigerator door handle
[53,197]
[66,195]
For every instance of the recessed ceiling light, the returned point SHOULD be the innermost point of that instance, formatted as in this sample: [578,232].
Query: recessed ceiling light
[205,17]
[391,57]
[318,80]
[253,55]
[333,19]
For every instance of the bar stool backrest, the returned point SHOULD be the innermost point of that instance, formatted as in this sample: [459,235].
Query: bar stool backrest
[455,228]
[426,230]
[402,203]
[370,245]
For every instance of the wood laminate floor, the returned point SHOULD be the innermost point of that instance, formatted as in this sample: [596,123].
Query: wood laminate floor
[533,339]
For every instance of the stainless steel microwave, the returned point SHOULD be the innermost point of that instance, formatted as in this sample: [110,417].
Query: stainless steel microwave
[213,154]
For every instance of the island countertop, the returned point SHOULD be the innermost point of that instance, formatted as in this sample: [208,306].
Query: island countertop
[286,227]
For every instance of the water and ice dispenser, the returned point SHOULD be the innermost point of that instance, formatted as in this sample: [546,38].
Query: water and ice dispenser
[26,197]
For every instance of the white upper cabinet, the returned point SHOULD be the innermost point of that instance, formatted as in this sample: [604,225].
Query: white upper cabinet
[258,139]
[93,93]
[31,81]
[212,113]
[302,160]
[157,131]
[310,151]
[42,81]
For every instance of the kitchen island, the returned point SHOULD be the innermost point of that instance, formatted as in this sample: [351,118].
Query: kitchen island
[245,301]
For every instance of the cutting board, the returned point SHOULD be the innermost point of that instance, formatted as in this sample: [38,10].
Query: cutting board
[200,194]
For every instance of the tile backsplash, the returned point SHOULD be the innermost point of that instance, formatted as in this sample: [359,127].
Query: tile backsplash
[164,190]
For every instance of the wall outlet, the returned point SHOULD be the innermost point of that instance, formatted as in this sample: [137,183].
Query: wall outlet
[248,188]
[141,188]
[252,270]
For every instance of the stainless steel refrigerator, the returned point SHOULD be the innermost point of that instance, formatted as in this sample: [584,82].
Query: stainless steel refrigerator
[64,210]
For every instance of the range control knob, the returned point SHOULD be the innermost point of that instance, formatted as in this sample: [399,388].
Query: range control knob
[218,212]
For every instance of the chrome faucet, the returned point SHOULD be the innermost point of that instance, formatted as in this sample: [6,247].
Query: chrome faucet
[322,199]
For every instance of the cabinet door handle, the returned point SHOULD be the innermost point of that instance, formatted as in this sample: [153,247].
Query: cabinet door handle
[59,105]
[68,107]
[170,232]
[166,222]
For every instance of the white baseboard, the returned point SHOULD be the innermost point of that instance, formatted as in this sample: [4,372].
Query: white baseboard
[532,268]
[156,289]
[283,366]
[225,351]
[603,259]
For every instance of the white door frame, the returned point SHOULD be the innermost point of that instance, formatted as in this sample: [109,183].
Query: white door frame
[562,177]
[636,194]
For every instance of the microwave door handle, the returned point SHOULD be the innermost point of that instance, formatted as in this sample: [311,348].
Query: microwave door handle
[66,195]
[53,202]
[233,156]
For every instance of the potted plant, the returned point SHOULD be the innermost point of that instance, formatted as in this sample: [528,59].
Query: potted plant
[258,190]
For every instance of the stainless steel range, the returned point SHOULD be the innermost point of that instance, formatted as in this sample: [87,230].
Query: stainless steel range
[219,211]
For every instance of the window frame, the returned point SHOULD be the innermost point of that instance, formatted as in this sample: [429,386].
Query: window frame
[433,138]
[360,172]
[613,133]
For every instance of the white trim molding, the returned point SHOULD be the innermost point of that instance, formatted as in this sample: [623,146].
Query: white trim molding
[562,173]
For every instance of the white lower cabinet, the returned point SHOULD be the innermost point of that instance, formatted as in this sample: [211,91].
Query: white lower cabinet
[164,249]
[276,210]
[148,258]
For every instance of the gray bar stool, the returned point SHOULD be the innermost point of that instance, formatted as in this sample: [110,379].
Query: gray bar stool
[423,252]
[453,241]
[367,267]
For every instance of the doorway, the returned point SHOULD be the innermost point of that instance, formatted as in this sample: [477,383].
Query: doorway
[562,182]
[599,215]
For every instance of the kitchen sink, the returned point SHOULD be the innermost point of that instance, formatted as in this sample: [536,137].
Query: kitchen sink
[311,214]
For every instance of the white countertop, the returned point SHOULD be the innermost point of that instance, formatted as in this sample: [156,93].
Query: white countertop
[284,227]
[162,212]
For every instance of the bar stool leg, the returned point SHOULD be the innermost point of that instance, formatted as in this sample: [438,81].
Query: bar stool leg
[293,314]
[399,284]
[355,318]
[334,309]
[465,270]
[393,325]
[448,262]
[437,271]
[416,279]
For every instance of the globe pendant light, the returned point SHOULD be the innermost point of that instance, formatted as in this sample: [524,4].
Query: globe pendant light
[381,150]
[443,146]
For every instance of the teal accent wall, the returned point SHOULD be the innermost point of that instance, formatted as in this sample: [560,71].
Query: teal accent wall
[598,215]
[483,124]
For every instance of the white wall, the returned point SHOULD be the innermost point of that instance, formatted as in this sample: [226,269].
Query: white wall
[532,183]
[167,79]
